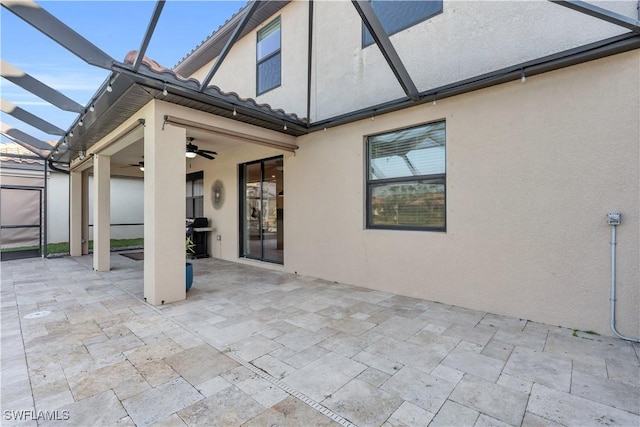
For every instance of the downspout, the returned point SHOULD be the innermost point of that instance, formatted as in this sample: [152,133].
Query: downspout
[310,60]
[55,168]
[613,219]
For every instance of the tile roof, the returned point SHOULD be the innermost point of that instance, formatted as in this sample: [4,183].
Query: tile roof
[232,97]
[15,153]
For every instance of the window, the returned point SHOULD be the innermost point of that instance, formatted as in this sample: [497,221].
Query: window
[406,179]
[195,195]
[268,57]
[398,15]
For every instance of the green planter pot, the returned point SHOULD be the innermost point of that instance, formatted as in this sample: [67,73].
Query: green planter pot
[189,275]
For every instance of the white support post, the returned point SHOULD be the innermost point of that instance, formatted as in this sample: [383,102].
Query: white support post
[101,212]
[85,212]
[75,213]
[164,210]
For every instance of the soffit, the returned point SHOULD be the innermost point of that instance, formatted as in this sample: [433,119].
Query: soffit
[130,91]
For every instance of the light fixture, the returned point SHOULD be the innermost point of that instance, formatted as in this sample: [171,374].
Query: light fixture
[92,108]
[285,125]
[109,87]
[80,123]
[142,168]
[164,91]
[434,99]
[523,78]
[190,154]
[81,154]
[235,113]
[71,134]
[65,141]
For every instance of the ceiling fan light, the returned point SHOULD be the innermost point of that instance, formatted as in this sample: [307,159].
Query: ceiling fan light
[142,168]
[190,154]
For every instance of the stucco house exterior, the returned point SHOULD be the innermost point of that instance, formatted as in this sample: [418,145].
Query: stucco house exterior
[472,163]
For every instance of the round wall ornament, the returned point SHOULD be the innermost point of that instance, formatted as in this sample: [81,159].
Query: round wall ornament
[217,194]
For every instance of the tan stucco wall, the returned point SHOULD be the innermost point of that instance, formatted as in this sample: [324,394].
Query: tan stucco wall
[532,170]
[467,39]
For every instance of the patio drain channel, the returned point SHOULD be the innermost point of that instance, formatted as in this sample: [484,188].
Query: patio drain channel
[284,387]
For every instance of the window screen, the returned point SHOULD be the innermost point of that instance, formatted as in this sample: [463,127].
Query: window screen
[268,57]
[407,178]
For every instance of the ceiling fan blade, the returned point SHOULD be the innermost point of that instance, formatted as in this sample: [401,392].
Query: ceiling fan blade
[133,165]
[208,152]
[205,155]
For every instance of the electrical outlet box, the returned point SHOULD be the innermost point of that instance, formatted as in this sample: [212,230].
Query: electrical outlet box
[613,218]
[218,237]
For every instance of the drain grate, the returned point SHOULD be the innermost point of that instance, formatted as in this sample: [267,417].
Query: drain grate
[37,314]
[284,387]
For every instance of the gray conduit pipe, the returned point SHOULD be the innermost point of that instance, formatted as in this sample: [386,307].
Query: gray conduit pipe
[613,287]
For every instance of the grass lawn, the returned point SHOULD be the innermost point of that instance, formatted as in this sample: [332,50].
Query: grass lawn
[63,247]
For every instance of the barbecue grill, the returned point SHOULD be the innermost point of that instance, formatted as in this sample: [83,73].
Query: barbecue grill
[198,229]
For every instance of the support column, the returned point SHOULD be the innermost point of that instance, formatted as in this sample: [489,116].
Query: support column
[75,213]
[85,212]
[164,211]
[101,212]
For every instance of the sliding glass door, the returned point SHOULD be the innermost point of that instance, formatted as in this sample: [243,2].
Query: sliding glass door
[262,210]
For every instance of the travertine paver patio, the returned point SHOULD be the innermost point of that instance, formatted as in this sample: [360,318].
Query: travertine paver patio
[256,347]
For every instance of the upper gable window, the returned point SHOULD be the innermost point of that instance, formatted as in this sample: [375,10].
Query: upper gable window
[268,57]
[398,15]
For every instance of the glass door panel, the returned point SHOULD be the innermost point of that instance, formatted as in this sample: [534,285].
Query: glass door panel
[252,247]
[262,210]
[273,198]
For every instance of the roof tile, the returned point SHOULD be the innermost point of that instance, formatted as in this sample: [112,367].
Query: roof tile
[232,97]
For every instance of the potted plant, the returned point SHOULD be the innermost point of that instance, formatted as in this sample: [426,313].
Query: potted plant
[188,246]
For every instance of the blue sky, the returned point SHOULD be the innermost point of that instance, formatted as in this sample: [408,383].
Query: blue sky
[116,27]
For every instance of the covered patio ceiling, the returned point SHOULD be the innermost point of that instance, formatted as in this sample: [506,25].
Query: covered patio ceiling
[136,81]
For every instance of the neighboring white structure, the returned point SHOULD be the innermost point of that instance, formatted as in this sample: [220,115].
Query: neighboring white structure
[126,210]
[486,186]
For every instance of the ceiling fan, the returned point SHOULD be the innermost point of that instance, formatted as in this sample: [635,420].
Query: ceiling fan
[140,165]
[192,151]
